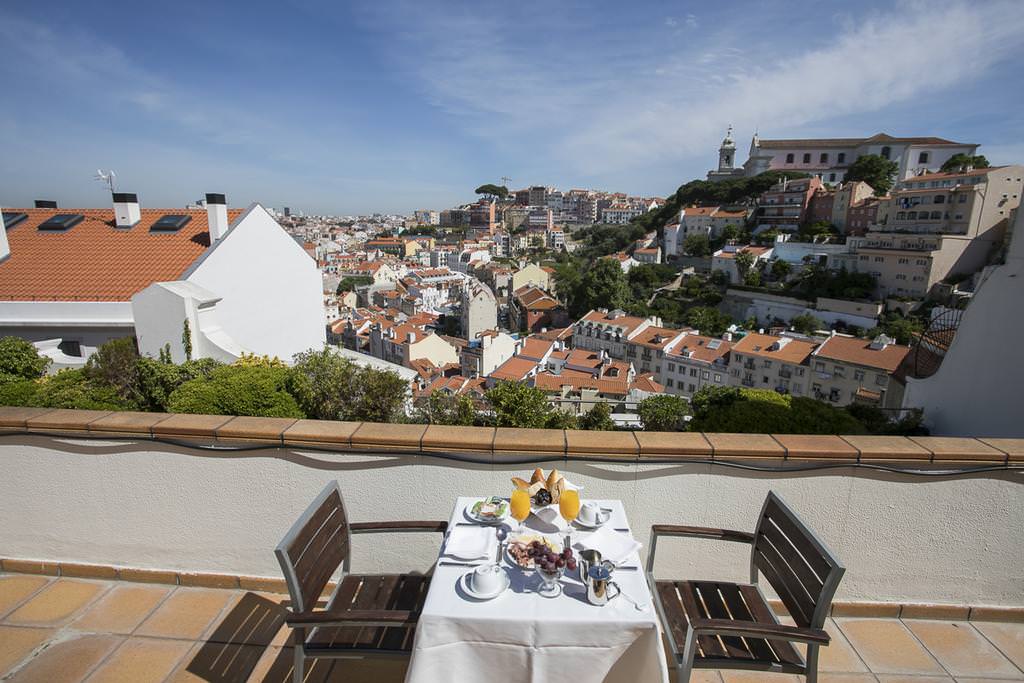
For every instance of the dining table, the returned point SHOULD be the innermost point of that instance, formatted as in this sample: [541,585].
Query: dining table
[523,636]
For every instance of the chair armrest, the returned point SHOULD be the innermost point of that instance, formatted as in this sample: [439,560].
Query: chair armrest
[728,627]
[693,532]
[397,527]
[702,532]
[353,617]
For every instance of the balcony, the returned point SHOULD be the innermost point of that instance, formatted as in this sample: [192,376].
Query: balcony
[139,546]
[785,373]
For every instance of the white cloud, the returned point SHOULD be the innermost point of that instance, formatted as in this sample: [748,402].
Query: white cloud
[671,22]
[622,103]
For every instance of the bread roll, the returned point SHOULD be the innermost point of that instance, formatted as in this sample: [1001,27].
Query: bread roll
[552,480]
[538,475]
[520,483]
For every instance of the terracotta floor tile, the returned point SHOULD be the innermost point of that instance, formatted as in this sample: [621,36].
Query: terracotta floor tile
[758,677]
[845,678]
[56,603]
[1009,638]
[68,661]
[961,649]
[185,614]
[15,588]
[16,642]
[702,676]
[887,646]
[839,656]
[122,609]
[141,660]
[914,679]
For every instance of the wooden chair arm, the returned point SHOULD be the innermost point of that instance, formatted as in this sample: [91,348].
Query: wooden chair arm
[728,627]
[397,527]
[702,532]
[353,617]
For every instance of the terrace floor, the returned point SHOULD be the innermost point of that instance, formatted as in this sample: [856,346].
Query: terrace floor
[58,630]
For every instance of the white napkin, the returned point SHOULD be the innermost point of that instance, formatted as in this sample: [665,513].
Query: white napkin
[613,545]
[471,542]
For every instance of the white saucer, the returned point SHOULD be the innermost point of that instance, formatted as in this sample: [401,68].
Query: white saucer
[467,512]
[601,522]
[465,583]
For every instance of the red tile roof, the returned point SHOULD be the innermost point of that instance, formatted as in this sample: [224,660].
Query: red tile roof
[859,352]
[95,261]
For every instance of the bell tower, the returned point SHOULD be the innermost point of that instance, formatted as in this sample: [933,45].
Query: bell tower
[727,153]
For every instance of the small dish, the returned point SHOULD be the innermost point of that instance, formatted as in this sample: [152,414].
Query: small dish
[602,518]
[466,582]
[472,511]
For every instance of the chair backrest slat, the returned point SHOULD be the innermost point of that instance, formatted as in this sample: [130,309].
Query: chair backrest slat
[799,567]
[315,547]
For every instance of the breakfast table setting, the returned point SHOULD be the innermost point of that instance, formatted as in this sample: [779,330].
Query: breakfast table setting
[542,585]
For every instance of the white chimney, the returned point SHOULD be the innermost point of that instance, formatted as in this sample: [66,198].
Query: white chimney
[217,216]
[127,213]
[5,246]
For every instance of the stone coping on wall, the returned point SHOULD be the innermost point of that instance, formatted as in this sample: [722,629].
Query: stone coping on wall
[498,444]
[277,585]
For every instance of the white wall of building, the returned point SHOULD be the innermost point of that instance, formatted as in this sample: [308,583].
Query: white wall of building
[159,506]
[270,288]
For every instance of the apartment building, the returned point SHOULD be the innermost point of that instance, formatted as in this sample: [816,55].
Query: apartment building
[785,205]
[937,225]
[404,343]
[604,330]
[725,259]
[845,198]
[646,348]
[485,352]
[845,370]
[761,361]
[478,309]
[647,255]
[79,277]
[531,309]
[620,214]
[693,362]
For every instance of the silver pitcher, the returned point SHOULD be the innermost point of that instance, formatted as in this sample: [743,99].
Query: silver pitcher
[600,587]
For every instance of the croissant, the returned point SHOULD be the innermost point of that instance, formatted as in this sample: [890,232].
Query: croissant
[538,475]
[552,479]
[520,483]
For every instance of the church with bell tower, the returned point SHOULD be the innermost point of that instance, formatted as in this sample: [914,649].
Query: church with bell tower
[727,161]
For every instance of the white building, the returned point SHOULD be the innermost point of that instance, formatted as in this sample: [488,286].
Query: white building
[478,310]
[85,276]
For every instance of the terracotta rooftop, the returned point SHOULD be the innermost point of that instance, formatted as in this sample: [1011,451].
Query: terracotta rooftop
[859,352]
[855,142]
[95,261]
[701,349]
[763,345]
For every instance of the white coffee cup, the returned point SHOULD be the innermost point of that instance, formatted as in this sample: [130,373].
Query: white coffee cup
[486,578]
[590,514]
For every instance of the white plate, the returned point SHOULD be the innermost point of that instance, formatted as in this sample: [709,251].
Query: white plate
[468,513]
[512,560]
[468,588]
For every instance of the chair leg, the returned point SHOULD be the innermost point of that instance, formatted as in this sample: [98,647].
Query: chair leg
[812,664]
[299,666]
[686,664]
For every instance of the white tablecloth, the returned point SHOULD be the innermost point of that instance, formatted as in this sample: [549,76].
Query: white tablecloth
[521,636]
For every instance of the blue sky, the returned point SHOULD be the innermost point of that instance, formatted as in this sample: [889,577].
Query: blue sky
[392,105]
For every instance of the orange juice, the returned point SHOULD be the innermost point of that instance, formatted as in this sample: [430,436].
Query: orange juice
[569,504]
[520,505]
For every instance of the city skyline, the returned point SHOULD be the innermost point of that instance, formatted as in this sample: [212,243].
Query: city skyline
[396,106]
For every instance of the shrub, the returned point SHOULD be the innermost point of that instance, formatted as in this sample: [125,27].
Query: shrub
[519,405]
[232,390]
[115,365]
[75,389]
[19,358]
[18,392]
[751,411]
[158,379]
[662,413]
[442,408]
[328,386]
[598,418]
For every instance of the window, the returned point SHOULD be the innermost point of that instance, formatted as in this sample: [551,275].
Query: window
[807,157]
[798,389]
[962,199]
[764,379]
[767,364]
[831,177]
[693,372]
[718,378]
[936,215]
[858,375]
[839,372]
[671,367]
[705,374]
[912,215]
[901,276]
[881,380]
[692,388]
[820,367]
[959,216]
[823,158]
[799,372]
[922,262]
[901,215]
[657,369]
[865,257]
[940,199]
[879,259]
[886,152]
[922,158]
[669,383]
[903,259]
[789,158]
[841,157]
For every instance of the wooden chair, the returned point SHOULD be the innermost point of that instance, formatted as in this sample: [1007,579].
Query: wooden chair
[719,625]
[366,615]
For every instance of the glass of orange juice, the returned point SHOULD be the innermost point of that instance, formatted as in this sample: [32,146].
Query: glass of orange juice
[519,506]
[569,507]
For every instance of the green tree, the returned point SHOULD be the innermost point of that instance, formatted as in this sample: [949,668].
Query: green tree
[493,190]
[875,170]
[752,278]
[751,411]
[709,321]
[20,360]
[598,418]
[328,386]
[75,389]
[894,325]
[962,160]
[780,269]
[186,339]
[697,245]
[518,405]
[604,285]
[662,413]
[116,365]
[157,379]
[237,390]
[744,262]
[805,323]
[381,398]
[442,408]
[349,283]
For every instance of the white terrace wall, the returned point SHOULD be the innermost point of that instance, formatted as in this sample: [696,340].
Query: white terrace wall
[145,504]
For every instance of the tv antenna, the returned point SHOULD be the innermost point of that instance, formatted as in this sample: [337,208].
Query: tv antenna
[107,177]
[504,180]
